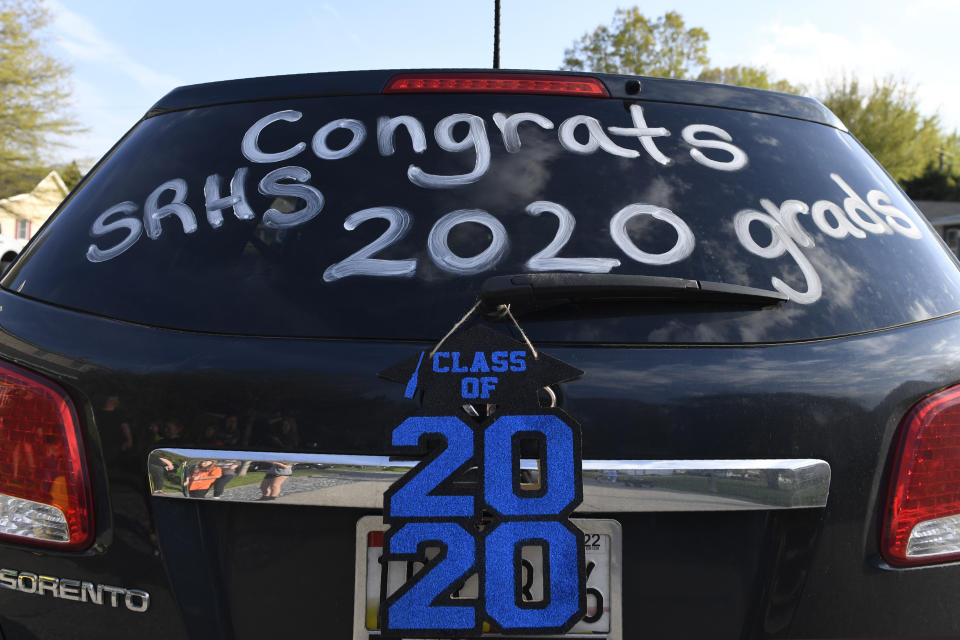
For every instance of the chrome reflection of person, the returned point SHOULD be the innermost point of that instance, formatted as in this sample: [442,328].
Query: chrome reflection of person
[228,470]
[277,474]
[201,478]
[159,467]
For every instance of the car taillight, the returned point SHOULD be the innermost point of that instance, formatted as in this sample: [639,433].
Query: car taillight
[922,523]
[496,83]
[44,490]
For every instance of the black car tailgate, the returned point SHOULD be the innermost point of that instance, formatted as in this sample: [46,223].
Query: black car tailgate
[240,569]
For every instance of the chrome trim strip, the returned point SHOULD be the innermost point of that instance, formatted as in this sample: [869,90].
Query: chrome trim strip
[609,486]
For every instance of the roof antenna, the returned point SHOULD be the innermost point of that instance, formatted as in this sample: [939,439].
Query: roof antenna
[496,34]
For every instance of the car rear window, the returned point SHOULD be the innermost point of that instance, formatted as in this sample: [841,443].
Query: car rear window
[381,216]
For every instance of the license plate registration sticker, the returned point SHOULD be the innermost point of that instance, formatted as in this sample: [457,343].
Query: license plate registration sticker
[602,551]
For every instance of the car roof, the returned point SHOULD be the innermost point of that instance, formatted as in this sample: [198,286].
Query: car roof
[342,83]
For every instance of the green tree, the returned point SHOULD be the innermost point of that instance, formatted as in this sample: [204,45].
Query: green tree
[33,89]
[633,44]
[746,76]
[940,179]
[887,120]
[70,174]
[933,184]
[948,155]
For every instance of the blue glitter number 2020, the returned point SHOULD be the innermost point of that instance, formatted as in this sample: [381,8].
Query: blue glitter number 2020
[558,474]
[561,575]
[410,498]
[525,518]
[410,608]
[557,496]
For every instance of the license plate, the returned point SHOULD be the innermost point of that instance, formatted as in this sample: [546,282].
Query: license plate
[601,550]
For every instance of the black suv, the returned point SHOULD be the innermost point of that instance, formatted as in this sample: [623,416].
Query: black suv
[194,438]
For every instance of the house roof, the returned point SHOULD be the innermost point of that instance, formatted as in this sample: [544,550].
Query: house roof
[42,200]
[934,210]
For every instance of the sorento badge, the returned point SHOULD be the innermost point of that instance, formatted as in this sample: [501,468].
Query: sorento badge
[469,499]
[105,595]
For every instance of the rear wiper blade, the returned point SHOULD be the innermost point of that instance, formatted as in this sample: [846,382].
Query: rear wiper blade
[531,289]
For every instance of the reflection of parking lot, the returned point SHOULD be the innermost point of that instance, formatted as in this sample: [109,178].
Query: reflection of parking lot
[297,484]
[611,476]
[601,495]
[348,488]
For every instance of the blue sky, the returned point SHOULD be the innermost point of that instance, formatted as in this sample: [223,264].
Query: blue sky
[126,55]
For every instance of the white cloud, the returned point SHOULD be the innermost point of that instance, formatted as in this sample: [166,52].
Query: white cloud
[342,24]
[331,10]
[96,102]
[84,42]
[809,54]
[923,8]
[106,121]
[805,53]
[942,98]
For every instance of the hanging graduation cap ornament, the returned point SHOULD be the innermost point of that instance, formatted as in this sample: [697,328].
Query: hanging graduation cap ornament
[481,366]
[480,415]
